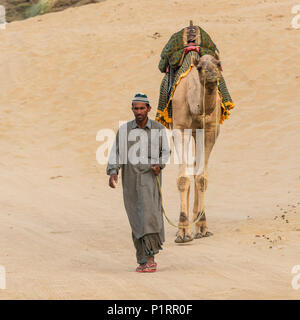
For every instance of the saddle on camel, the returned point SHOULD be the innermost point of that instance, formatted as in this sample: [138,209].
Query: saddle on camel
[176,62]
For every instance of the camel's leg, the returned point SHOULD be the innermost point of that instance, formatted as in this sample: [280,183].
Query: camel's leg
[183,185]
[201,227]
[201,181]
[184,234]
[197,195]
[196,201]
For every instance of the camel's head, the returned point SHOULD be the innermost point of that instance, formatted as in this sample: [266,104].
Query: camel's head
[209,68]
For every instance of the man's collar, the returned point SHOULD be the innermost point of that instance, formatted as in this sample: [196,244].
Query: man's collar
[134,124]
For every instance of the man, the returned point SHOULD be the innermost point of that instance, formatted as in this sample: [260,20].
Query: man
[141,151]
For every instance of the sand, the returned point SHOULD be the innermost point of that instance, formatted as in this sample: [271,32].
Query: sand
[64,233]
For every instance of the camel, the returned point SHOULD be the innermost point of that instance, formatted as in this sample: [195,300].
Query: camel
[195,105]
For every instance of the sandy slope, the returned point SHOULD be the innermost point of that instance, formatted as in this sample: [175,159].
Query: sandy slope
[64,76]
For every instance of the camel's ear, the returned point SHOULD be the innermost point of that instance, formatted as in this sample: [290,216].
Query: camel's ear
[195,60]
[193,91]
[217,55]
[199,65]
[219,65]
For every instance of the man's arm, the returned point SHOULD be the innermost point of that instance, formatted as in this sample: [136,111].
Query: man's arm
[165,151]
[113,165]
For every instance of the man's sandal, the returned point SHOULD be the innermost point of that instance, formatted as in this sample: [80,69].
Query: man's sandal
[140,267]
[147,267]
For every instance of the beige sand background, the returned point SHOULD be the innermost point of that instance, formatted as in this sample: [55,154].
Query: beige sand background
[64,233]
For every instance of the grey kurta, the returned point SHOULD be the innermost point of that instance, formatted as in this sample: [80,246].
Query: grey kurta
[135,150]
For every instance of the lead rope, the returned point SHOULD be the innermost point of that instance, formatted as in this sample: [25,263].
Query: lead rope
[170,222]
[203,149]
[217,110]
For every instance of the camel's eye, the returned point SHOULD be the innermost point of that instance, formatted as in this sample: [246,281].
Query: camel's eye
[219,64]
[199,68]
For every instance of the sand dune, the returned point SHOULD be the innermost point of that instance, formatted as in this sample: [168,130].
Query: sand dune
[64,234]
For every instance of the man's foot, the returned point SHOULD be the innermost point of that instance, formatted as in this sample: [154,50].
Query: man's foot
[140,267]
[149,266]
[146,267]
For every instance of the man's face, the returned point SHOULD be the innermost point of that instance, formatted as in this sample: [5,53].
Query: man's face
[140,110]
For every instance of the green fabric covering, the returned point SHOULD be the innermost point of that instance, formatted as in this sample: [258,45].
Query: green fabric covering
[172,55]
[174,49]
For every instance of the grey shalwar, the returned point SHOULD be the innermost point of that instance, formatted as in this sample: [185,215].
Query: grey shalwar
[135,151]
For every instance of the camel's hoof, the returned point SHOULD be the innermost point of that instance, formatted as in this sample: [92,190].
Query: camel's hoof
[188,238]
[179,239]
[200,235]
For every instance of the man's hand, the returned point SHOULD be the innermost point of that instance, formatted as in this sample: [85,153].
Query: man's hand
[113,180]
[156,169]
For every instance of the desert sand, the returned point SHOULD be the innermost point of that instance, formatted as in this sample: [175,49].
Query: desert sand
[64,233]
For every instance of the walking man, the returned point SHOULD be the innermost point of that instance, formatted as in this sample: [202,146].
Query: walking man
[141,151]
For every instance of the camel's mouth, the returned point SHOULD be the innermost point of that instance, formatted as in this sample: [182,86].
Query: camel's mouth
[211,78]
[210,85]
